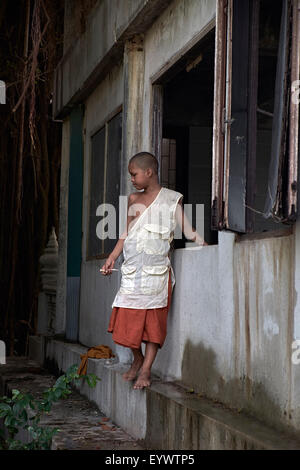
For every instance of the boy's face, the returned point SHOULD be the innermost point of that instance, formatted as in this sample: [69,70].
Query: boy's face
[139,177]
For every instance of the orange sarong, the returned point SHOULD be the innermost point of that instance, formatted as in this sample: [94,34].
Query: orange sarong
[131,326]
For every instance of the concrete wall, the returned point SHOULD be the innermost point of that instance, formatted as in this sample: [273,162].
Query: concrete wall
[104,24]
[89,57]
[295,382]
[75,19]
[230,328]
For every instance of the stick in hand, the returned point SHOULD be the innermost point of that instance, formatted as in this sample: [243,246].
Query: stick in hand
[110,269]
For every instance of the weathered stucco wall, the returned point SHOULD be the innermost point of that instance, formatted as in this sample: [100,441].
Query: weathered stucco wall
[295,383]
[75,19]
[230,328]
[89,57]
[104,25]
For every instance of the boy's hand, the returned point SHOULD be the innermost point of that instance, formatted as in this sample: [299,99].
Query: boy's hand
[190,233]
[200,241]
[107,268]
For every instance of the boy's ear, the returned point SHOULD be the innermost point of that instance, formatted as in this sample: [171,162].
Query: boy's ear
[149,172]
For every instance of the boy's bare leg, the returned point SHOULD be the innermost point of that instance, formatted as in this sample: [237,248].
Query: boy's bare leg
[145,372]
[135,366]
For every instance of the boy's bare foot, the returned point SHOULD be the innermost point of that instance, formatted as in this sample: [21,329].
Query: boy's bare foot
[143,380]
[135,367]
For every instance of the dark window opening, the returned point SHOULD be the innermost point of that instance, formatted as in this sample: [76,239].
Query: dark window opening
[187,127]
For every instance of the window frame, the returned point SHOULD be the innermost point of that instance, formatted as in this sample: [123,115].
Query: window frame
[222,122]
[94,131]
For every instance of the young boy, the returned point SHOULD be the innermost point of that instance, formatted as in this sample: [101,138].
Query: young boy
[141,305]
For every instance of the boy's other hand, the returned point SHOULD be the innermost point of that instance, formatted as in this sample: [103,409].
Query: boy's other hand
[108,266]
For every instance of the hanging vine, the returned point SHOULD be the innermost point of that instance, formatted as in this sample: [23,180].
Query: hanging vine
[30,47]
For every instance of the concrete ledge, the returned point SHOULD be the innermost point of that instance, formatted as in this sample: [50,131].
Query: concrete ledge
[166,416]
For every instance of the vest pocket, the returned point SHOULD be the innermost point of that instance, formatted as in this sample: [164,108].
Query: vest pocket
[154,279]
[154,239]
[127,280]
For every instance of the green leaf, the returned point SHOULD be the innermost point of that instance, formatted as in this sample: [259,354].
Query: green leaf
[60,382]
[14,410]
[17,408]
[7,420]
[24,415]
[58,393]
[4,407]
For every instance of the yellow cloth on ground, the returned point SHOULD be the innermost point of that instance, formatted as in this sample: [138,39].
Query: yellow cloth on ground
[96,352]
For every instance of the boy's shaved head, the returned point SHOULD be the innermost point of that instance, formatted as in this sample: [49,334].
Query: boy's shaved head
[145,160]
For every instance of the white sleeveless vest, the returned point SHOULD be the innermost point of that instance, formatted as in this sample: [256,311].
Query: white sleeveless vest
[145,270]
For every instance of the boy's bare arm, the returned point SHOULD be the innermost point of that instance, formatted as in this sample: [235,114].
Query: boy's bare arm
[109,264]
[185,226]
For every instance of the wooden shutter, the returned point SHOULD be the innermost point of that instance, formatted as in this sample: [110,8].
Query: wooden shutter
[279,148]
[234,129]
[236,122]
[219,108]
[234,105]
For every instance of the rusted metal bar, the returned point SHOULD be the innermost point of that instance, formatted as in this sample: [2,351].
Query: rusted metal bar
[265,113]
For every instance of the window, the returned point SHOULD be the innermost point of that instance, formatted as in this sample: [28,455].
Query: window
[255,138]
[182,128]
[104,188]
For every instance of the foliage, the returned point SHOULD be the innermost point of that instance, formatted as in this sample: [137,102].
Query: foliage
[31,45]
[23,411]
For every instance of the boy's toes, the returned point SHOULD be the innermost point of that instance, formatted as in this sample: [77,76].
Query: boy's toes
[142,382]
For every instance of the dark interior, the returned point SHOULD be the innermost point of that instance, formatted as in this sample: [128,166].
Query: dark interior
[188,119]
